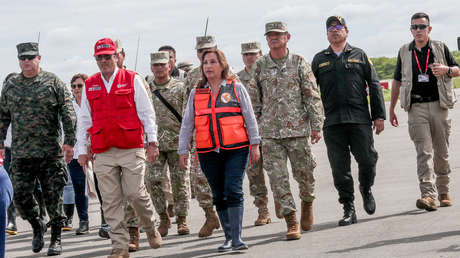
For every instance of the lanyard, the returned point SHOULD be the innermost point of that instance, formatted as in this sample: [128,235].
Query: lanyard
[418,64]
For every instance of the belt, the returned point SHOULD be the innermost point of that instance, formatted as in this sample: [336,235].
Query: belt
[420,99]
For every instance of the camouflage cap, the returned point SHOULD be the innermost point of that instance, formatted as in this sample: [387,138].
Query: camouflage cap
[161,57]
[27,49]
[205,42]
[119,45]
[335,18]
[184,64]
[277,26]
[250,47]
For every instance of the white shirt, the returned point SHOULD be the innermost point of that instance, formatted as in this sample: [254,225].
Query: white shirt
[144,110]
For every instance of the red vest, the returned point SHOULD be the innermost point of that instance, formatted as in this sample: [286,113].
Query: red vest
[114,115]
[219,122]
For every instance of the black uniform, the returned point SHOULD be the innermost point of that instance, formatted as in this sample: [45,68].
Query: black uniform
[343,82]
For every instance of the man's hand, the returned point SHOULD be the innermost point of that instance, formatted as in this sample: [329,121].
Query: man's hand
[255,153]
[67,151]
[183,160]
[393,118]
[152,152]
[379,125]
[315,136]
[439,69]
[83,160]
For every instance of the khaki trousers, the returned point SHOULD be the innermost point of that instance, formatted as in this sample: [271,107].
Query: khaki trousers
[429,129]
[120,174]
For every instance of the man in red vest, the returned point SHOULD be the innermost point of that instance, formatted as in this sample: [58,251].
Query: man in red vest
[115,112]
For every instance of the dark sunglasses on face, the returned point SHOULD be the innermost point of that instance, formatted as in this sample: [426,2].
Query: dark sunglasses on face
[337,27]
[22,58]
[105,57]
[419,26]
[76,86]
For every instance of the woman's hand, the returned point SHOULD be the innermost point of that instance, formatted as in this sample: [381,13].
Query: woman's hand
[255,153]
[183,160]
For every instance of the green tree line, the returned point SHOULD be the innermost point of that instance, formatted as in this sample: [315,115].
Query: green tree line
[385,66]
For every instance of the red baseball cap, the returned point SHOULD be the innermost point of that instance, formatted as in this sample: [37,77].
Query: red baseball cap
[105,46]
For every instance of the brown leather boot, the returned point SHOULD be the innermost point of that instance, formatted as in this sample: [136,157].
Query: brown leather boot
[264,216]
[293,229]
[426,203]
[133,244]
[182,228]
[211,223]
[277,210]
[154,238]
[306,219]
[444,200]
[119,253]
[165,224]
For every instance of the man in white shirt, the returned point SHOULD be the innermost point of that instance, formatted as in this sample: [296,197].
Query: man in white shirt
[115,112]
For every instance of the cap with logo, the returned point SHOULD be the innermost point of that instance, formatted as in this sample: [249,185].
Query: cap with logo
[27,49]
[161,57]
[119,45]
[250,47]
[105,46]
[335,18]
[205,42]
[276,26]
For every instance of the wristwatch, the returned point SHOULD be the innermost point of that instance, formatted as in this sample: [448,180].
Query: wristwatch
[449,72]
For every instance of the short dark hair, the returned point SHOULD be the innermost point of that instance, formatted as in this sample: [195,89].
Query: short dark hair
[420,16]
[79,76]
[167,48]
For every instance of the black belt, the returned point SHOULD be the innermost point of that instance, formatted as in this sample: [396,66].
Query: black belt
[420,99]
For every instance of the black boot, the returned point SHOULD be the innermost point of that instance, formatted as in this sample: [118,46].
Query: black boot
[368,200]
[39,229]
[68,210]
[349,214]
[11,228]
[105,228]
[83,228]
[55,247]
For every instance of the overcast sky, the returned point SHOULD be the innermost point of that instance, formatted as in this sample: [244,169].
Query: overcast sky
[69,28]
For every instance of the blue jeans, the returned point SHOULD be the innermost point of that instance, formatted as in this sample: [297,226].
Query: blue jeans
[225,173]
[6,195]
[79,187]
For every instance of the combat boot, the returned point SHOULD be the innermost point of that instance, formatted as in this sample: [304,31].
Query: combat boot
[293,229]
[444,200]
[278,210]
[119,253]
[306,218]
[426,203]
[154,238]
[11,228]
[182,228]
[134,235]
[211,223]
[368,199]
[39,229]
[165,224]
[349,214]
[55,247]
[68,210]
[264,216]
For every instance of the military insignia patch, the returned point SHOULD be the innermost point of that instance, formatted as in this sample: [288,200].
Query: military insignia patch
[225,97]
[353,60]
[324,64]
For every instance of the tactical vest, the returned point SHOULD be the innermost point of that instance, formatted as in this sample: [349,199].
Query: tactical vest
[114,115]
[219,122]
[447,96]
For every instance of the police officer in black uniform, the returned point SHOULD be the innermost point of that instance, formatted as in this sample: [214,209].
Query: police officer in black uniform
[343,73]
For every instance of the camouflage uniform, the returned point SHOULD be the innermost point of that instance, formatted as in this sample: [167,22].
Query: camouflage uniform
[287,104]
[168,138]
[35,107]
[255,171]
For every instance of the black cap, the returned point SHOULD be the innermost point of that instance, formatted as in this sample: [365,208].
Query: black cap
[335,18]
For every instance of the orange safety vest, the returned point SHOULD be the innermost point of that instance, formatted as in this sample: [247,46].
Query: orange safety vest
[114,115]
[219,122]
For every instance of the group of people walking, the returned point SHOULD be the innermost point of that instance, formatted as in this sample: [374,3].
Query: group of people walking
[209,127]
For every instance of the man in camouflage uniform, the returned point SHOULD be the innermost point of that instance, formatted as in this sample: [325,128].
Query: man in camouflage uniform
[36,102]
[251,52]
[185,66]
[289,110]
[198,179]
[171,90]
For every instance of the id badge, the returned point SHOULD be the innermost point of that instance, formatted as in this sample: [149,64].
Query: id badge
[423,77]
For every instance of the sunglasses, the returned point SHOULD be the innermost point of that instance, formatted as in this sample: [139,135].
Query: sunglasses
[105,57]
[337,27]
[419,26]
[23,58]
[76,86]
